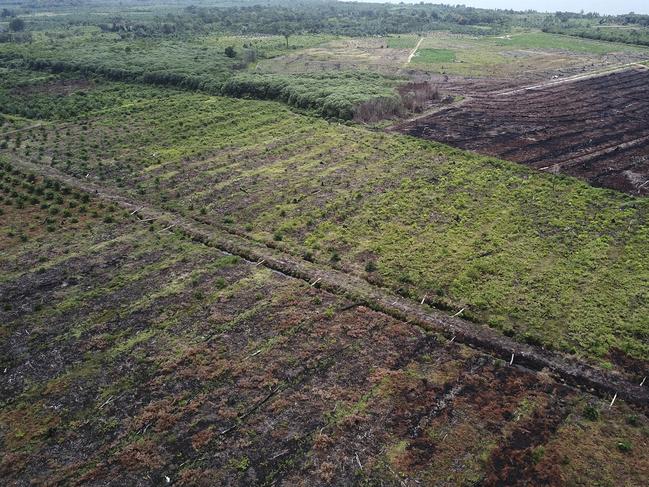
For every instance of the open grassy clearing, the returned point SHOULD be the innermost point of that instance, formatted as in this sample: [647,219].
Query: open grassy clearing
[404,41]
[377,54]
[529,54]
[137,354]
[426,56]
[464,231]
[543,40]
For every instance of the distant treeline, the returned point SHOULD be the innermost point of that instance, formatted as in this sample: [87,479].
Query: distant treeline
[625,36]
[339,18]
[287,18]
[627,29]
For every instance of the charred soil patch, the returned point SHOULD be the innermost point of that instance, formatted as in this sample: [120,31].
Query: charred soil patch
[595,129]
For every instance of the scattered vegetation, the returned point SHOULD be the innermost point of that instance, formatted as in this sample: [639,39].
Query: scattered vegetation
[131,353]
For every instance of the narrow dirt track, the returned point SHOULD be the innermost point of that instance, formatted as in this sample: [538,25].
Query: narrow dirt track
[414,51]
[23,129]
[566,369]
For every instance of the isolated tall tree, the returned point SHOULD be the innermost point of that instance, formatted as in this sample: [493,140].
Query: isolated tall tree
[284,29]
[16,24]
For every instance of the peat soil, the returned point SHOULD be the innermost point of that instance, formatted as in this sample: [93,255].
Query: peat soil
[140,355]
[595,129]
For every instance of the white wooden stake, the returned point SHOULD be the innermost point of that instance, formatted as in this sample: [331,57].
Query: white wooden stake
[512,359]
[459,312]
[642,383]
[614,398]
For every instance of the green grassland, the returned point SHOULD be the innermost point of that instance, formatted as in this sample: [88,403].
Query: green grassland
[431,56]
[510,55]
[542,40]
[403,41]
[545,259]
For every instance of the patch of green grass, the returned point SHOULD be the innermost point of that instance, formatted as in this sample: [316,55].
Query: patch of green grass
[431,56]
[543,40]
[404,41]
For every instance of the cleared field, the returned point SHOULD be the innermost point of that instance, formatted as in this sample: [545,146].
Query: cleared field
[222,263]
[132,355]
[595,129]
[522,56]
[460,231]
[459,64]
[426,56]
[382,55]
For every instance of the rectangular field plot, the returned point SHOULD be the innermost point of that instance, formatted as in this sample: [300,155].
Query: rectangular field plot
[596,128]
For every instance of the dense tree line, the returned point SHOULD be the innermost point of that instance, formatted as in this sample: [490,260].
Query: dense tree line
[330,95]
[627,36]
[628,28]
[288,18]
[340,18]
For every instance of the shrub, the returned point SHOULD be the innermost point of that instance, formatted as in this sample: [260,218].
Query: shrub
[591,413]
[624,446]
[329,312]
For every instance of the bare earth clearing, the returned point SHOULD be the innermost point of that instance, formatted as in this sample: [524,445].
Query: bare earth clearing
[596,128]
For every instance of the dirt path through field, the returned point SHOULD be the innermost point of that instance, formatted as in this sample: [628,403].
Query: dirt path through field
[23,129]
[414,51]
[358,290]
